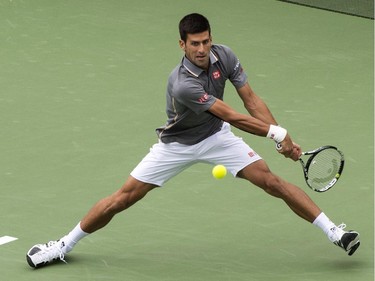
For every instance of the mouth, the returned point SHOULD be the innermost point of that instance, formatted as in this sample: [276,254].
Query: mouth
[201,57]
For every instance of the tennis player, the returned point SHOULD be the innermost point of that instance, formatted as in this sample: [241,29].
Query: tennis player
[198,129]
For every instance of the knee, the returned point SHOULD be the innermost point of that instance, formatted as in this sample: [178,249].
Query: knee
[274,185]
[126,197]
[115,204]
[123,200]
[120,203]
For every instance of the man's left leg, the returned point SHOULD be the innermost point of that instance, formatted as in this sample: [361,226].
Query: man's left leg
[259,174]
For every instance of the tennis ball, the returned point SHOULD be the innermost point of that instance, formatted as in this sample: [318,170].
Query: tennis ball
[219,171]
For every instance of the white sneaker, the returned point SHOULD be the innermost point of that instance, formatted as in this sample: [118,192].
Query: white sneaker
[347,240]
[42,254]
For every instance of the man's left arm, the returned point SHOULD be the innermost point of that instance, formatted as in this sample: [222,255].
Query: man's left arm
[255,105]
[258,109]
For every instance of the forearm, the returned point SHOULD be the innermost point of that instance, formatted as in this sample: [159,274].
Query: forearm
[258,109]
[255,105]
[256,126]
[249,124]
[244,122]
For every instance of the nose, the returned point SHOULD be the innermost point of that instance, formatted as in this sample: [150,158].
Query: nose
[201,48]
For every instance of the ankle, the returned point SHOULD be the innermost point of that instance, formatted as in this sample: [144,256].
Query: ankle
[70,240]
[336,232]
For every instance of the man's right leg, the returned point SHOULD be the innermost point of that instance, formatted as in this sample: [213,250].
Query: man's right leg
[99,216]
[102,212]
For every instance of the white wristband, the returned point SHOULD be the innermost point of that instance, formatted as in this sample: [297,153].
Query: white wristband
[276,133]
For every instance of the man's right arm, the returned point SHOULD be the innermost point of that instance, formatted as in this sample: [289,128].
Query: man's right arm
[252,125]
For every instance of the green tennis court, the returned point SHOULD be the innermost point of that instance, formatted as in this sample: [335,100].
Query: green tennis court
[82,90]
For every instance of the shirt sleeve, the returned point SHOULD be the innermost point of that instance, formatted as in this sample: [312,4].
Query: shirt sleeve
[193,96]
[236,74]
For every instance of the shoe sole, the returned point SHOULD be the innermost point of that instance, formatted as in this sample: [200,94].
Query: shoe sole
[354,248]
[353,245]
[29,261]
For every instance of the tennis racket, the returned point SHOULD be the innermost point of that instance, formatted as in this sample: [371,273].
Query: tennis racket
[323,167]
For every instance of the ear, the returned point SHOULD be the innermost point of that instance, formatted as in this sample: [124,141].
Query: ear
[182,44]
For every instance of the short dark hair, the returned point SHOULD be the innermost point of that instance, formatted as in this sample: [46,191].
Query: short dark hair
[193,23]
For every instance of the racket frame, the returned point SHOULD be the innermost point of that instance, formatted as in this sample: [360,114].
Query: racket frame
[306,166]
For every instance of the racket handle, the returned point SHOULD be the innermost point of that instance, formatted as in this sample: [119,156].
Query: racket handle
[278,146]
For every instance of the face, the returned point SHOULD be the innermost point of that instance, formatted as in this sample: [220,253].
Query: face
[197,48]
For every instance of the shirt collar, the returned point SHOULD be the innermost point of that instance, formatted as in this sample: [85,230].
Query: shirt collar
[195,70]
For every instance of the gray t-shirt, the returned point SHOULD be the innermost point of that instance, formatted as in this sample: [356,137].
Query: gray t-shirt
[191,91]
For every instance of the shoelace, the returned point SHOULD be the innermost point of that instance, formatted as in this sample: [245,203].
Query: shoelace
[342,226]
[51,245]
[335,238]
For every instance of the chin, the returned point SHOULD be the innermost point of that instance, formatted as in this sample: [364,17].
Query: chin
[202,64]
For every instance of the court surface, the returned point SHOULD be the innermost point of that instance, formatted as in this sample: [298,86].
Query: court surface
[82,90]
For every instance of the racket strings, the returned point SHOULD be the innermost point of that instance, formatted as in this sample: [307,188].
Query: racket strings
[324,168]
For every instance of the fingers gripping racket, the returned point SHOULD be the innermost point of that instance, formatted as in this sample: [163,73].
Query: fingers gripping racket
[323,167]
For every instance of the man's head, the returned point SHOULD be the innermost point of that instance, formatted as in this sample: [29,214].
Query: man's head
[192,24]
[195,34]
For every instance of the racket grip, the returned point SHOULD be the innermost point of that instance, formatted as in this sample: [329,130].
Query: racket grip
[278,146]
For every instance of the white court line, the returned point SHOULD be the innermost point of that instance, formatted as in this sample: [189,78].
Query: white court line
[7,239]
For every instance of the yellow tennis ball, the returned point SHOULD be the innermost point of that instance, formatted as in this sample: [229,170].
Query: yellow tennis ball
[219,171]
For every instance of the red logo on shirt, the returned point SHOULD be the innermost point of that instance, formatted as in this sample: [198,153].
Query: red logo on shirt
[203,98]
[216,74]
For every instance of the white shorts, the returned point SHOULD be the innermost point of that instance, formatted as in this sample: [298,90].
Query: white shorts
[166,160]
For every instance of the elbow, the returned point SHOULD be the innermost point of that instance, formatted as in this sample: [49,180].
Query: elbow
[237,120]
[231,118]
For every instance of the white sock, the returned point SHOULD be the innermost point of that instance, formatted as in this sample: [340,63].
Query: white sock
[72,238]
[329,228]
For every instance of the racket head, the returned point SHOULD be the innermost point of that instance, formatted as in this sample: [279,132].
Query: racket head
[323,168]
